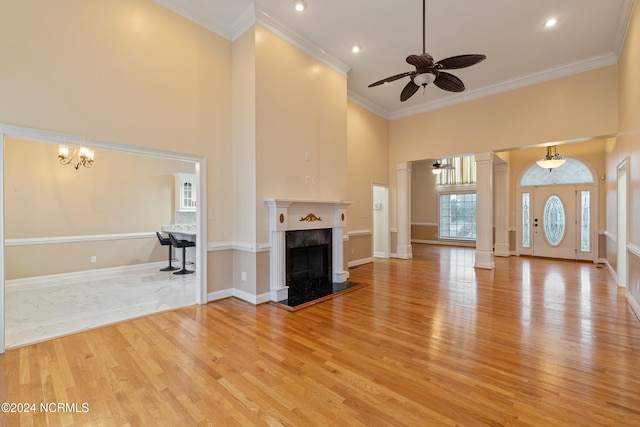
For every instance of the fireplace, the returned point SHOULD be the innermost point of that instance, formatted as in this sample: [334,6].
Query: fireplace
[312,233]
[308,262]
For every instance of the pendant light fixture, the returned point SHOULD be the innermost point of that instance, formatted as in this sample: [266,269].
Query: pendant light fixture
[551,160]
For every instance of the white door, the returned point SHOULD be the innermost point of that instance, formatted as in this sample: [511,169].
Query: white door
[554,221]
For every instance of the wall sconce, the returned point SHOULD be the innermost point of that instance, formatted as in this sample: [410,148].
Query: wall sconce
[551,161]
[84,157]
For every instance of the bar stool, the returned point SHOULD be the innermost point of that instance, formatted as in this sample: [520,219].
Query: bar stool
[165,241]
[184,244]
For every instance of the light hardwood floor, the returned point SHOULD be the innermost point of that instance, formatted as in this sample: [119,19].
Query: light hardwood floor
[430,341]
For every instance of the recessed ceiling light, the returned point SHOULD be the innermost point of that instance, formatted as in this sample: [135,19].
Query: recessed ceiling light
[551,22]
[299,5]
[355,49]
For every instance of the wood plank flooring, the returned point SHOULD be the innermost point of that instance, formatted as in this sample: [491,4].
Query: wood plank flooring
[430,341]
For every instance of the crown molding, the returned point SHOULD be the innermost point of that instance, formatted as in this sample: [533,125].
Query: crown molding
[527,80]
[365,103]
[282,31]
[623,25]
[201,16]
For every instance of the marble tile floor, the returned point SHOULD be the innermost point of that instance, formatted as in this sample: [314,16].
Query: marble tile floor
[40,311]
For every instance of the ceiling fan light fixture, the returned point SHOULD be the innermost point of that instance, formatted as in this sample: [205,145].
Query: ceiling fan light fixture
[436,171]
[424,79]
[300,5]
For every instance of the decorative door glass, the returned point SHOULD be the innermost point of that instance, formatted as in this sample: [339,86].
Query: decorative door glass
[526,228]
[554,220]
[585,219]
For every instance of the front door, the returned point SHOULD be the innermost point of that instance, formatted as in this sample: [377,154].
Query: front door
[554,221]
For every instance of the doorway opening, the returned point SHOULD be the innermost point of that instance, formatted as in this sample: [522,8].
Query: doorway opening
[12,133]
[381,232]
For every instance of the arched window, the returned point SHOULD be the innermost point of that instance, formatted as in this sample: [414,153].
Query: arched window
[571,172]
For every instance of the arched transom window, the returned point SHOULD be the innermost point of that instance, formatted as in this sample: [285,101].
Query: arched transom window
[571,172]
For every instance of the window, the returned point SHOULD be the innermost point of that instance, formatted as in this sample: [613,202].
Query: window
[458,216]
[463,172]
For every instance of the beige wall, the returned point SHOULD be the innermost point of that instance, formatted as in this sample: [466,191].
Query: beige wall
[126,71]
[301,107]
[579,106]
[627,146]
[121,193]
[367,158]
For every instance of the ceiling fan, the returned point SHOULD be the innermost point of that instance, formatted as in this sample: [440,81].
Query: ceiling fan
[428,71]
[438,167]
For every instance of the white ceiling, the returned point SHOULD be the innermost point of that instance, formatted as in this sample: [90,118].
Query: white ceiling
[520,50]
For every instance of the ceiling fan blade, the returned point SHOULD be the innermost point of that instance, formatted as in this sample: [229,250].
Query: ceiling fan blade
[391,79]
[424,60]
[408,91]
[460,61]
[446,81]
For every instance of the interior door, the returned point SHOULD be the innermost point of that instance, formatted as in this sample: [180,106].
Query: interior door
[555,222]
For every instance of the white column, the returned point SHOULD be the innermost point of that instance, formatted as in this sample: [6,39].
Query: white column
[403,210]
[484,210]
[501,171]
[337,256]
[278,289]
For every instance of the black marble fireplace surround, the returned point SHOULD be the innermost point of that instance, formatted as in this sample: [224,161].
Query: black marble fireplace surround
[308,267]
[308,264]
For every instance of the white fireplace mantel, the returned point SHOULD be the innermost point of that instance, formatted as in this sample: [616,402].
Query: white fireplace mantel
[288,215]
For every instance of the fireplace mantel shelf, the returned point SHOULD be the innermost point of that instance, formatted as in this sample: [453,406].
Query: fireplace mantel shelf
[273,202]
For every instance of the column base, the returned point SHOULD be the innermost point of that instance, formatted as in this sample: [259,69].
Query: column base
[280,294]
[484,259]
[404,252]
[502,250]
[340,277]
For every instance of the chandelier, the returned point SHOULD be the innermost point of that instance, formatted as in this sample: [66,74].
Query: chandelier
[82,156]
[551,161]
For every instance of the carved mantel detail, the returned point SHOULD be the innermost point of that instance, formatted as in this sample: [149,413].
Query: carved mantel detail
[310,218]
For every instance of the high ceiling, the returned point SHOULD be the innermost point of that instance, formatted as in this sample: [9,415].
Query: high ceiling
[520,49]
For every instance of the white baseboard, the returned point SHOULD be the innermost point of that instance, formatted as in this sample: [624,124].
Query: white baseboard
[445,243]
[611,271]
[634,304]
[237,293]
[358,262]
[80,275]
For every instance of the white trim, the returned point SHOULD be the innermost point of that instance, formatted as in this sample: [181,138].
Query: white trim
[463,243]
[243,247]
[55,279]
[367,104]
[633,304]
[305,45]
[356,233]
[28,241]
[237,293]
[39,135]
[358,262]
[623,26]
[633,249]
[527,80]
